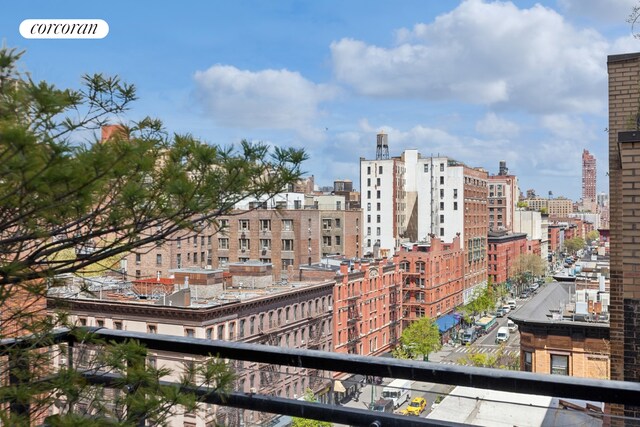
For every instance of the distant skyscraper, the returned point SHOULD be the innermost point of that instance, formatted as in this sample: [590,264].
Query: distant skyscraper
[588,181]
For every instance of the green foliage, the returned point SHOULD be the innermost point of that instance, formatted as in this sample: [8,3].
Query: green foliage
[421,337]
[574,245]
[501,360]
[304,422]
[592,236]
[483,300]
[65,192]
[142,186]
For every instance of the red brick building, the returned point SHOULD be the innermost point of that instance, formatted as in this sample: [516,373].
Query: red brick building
[432,279]
[366,309]
[504,250]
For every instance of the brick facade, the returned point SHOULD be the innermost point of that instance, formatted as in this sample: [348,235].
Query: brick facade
[624,193]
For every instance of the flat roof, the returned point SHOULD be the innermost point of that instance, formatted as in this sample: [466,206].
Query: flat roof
[481,407]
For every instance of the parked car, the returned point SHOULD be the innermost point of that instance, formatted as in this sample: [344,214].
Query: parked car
[511,326]
[506,308]
[417,405]
[469,335]
[512,304]
[500,312]
[524,294]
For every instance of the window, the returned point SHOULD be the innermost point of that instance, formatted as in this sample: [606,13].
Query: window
[368,170]
[189,333]
[368,231]
[100,323]
[559,364]
[209,333]
[265,244]
[338,242]
[377,231]
[223,261]
[368,182]
[455,193]
[195,257]
[287,225]
[441,167]
[286,262]
[326,224]
[377,181]
[220,332]
[441,206]
[378,219]
[442,193]
[378,194]
[179,260]
[368,207]
[441,231]
[152,329]
[455,206]
[380,170]
[201,240]
[159,259]
[441,219]
[368,218]
[244,244]
[195,241]
[243,224]
[326,240]
[378,206]
[442,180]
[252,325]
[138,259]
[528,358]
[265,225]
[426,167]
[368,194]
[179,242]
[287,244]
[117,325]
[337,222]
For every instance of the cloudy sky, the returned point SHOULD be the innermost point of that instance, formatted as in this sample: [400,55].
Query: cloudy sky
[478,81]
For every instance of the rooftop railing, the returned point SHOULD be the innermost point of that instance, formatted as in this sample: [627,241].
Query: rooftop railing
[566,387]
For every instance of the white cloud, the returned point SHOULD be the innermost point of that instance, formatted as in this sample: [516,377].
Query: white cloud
[497,127]
[484,53]
[571,128]
[609,11]
[272,99]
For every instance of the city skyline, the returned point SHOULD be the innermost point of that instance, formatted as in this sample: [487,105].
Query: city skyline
[326,76]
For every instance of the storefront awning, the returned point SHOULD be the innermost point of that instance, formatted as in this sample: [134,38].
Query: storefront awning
[338,387]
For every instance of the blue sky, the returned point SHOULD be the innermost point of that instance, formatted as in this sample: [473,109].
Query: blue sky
[479,81]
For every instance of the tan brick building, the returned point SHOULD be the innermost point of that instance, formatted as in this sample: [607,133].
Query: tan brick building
[283,237]
[558,207]
[624,194]
[554,341]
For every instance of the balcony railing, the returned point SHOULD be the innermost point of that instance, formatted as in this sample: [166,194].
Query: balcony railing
[617,392]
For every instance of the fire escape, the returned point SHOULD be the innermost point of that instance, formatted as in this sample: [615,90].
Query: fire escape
[353,322]
[394,311]
[411,301]
[269,373]
[314,342]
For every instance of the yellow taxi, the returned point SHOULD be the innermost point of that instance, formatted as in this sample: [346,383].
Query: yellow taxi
[416,406]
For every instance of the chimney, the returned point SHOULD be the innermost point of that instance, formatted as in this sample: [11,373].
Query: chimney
[344,268]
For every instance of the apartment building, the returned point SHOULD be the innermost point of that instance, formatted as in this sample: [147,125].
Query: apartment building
[559,206]
[503,198]
[504,250]
[287,231]
[295,315]
[432,278]
[424,197]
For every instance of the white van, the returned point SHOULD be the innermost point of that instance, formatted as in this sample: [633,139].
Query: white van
[512,326]
[398,391]
[503,334]
[512,303]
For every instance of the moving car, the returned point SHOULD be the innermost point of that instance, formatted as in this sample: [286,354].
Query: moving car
[416,406]
[383,405]
[503,334]
[511,326]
